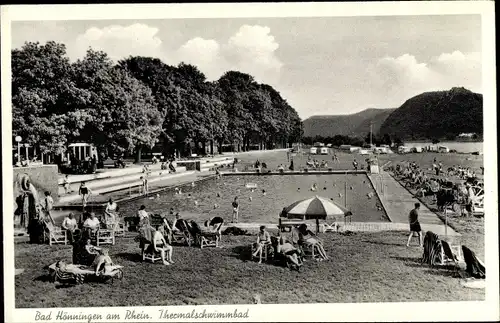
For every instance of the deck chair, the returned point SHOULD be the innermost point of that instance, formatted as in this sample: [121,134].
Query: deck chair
[183,234]
[54,235]
[150,255]
[115,225]
[450,255]
[267,251]
[210,238]
[475,267]
[433,249]
[309,251]
[105,236]
[334,227]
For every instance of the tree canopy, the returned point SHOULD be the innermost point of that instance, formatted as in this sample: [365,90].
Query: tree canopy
[139,101]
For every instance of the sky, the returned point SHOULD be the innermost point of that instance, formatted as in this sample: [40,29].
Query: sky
[321,66]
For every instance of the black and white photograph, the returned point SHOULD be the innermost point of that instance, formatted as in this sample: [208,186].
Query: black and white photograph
[201,162]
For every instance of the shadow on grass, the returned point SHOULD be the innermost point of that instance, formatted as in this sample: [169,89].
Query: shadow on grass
[45,278]
[445,271]
[410,261]
[243,253]
[134,257]
[384,243]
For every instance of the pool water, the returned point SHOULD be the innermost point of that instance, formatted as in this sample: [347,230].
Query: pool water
[213,197]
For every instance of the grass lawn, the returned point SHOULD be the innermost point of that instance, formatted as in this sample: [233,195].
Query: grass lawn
[364,267]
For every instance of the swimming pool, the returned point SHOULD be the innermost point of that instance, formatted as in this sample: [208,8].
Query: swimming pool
[213,197]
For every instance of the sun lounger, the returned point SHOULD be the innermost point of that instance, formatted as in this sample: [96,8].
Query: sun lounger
[87,273]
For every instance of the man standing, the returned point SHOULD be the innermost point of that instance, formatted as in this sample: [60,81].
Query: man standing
[415,225]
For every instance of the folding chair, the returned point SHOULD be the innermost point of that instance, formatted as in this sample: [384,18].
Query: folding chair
[55,235]
[210,238]
[105,236]
[334,227]
[150,255]
[267,251]
[451,255]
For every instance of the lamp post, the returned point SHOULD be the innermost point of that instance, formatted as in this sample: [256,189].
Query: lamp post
[26,145]
[18,140]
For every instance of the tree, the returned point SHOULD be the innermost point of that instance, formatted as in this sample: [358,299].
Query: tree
[398,142]
[386,139]
[234,88]
[435,141]
[121,111]
[41,81]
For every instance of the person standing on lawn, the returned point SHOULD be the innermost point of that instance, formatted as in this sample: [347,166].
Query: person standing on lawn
[236,210]
[415,225]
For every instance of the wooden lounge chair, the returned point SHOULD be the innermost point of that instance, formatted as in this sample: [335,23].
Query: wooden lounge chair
[55,235]
[105,236]
[433,249]
[451,255]
[150,255]
[334,227]
[267,252]
[210,238]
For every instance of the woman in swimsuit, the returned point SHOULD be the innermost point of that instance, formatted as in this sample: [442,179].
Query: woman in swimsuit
[263,241]
[306,237]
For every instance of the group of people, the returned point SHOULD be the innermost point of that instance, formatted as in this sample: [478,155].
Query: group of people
[158,238]
[280,245]
[316,164]
[462,193]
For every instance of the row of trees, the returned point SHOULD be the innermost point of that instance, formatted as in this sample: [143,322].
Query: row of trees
[138,102]
[339,140]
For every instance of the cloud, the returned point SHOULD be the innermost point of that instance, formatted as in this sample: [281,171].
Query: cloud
[119,41]
[252,50]
[399,78]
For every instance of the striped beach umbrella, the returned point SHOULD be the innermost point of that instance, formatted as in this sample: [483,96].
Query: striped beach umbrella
[315,208]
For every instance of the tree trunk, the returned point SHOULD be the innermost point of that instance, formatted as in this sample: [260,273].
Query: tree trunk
[204,147]
[212,147]
[138,155]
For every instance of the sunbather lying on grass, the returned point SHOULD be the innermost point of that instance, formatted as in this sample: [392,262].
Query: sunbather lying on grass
[73,269]
[291,253]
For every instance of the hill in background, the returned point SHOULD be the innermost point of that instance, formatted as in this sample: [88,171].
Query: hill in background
[440,115]
[354,125]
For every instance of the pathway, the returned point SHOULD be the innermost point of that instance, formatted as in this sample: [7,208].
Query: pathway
[398,202]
